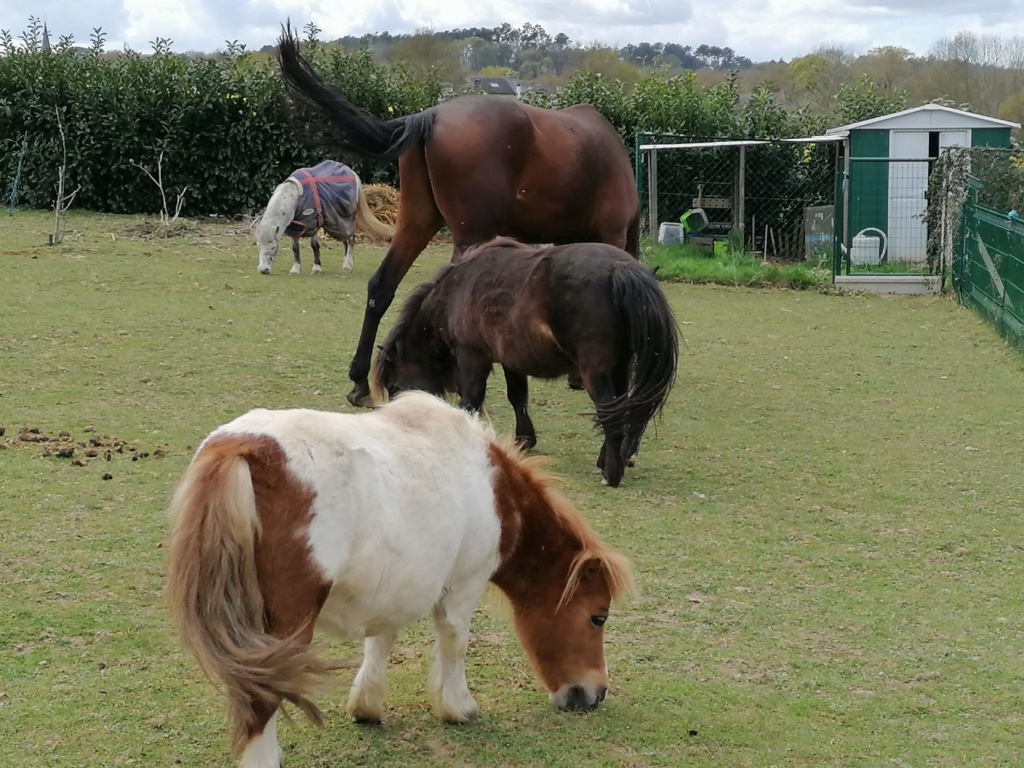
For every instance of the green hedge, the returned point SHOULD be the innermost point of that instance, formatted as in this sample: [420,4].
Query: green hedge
[230,134]
[225,127]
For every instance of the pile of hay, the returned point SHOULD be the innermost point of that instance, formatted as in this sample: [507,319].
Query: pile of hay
[383,201]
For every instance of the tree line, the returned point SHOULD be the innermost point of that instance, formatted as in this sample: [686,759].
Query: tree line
[222,125]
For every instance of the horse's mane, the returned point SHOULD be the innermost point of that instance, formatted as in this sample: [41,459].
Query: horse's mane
[410,309]
[615,566]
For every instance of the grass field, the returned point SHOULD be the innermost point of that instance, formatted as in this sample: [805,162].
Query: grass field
[826,524]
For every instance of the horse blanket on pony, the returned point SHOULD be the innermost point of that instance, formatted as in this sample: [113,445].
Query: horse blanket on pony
[330,191]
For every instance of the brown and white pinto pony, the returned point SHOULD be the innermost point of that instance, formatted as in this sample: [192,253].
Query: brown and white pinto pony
[362,524]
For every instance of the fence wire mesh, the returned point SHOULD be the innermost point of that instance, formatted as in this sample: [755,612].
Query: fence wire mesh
[773,198]
[978,233]
[885,224]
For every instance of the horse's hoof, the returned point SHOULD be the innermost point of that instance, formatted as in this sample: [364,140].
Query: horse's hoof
[360,399]
[371,721]
[526,442]
[317,270]
[612,478]
[576,382]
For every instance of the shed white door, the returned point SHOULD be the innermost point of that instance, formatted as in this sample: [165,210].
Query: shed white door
[954,139]
[908,186]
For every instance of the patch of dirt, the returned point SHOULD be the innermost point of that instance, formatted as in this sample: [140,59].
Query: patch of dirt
[153,228]
[80,452]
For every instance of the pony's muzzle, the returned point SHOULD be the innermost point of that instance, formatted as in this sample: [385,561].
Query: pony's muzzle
[264,270]
[577,698]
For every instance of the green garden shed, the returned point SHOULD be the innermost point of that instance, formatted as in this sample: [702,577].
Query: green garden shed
[887,161]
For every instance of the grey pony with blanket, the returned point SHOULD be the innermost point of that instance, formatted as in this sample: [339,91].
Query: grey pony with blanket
[326,196]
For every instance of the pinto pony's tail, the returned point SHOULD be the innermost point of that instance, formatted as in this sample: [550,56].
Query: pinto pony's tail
[216,599]
[652,341]
[361,131]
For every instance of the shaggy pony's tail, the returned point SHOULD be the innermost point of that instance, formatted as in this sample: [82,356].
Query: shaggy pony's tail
[652,347]
[215,594]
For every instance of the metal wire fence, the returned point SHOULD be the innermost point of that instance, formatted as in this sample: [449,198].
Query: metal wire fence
[772,198]
[884,226]
[977,234]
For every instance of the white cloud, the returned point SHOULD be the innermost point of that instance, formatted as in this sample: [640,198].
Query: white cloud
[756,29]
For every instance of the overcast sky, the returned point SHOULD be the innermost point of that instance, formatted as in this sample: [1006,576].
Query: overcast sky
[757,29]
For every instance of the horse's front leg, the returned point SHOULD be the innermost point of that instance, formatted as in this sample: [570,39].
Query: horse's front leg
[314,243]
[452,700]
[473,373]
[296,261]
[350,261]
[418,220]
[366,697]
[517,388]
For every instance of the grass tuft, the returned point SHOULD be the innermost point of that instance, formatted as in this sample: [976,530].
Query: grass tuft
[824,525]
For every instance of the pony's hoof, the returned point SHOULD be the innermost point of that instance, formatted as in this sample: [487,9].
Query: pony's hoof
[359,398]
[317,269]
[293,271]
[575,382]
[526,442]
[364,720]
[612,478]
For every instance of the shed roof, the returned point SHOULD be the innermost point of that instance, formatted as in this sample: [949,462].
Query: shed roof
[929,116]
[743,142]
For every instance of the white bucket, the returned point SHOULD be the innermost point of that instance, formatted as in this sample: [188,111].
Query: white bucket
[670,233]
[865,250]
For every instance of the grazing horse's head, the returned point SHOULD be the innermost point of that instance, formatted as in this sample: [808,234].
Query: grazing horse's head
[412,363]
[560,579]
[268,248]
[413,356]
[274,220]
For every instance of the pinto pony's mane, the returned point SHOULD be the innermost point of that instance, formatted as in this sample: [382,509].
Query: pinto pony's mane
[615,567]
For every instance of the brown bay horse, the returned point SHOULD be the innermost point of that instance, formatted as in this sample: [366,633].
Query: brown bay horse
[541,312]
[485,166]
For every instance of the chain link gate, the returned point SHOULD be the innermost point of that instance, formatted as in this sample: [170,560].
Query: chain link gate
[771,198]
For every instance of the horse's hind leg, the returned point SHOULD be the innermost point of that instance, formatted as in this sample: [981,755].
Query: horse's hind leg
[349,262]
[609,460]
[366,697]
[262,749]
[314,243]
[452,699]
[296,261]
[517,388]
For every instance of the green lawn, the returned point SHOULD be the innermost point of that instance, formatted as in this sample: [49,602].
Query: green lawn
[825,525]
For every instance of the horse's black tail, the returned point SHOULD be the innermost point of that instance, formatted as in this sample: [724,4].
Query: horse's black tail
[360,131]
[652,347]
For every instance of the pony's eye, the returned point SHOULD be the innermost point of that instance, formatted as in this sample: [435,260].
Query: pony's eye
[599,619]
